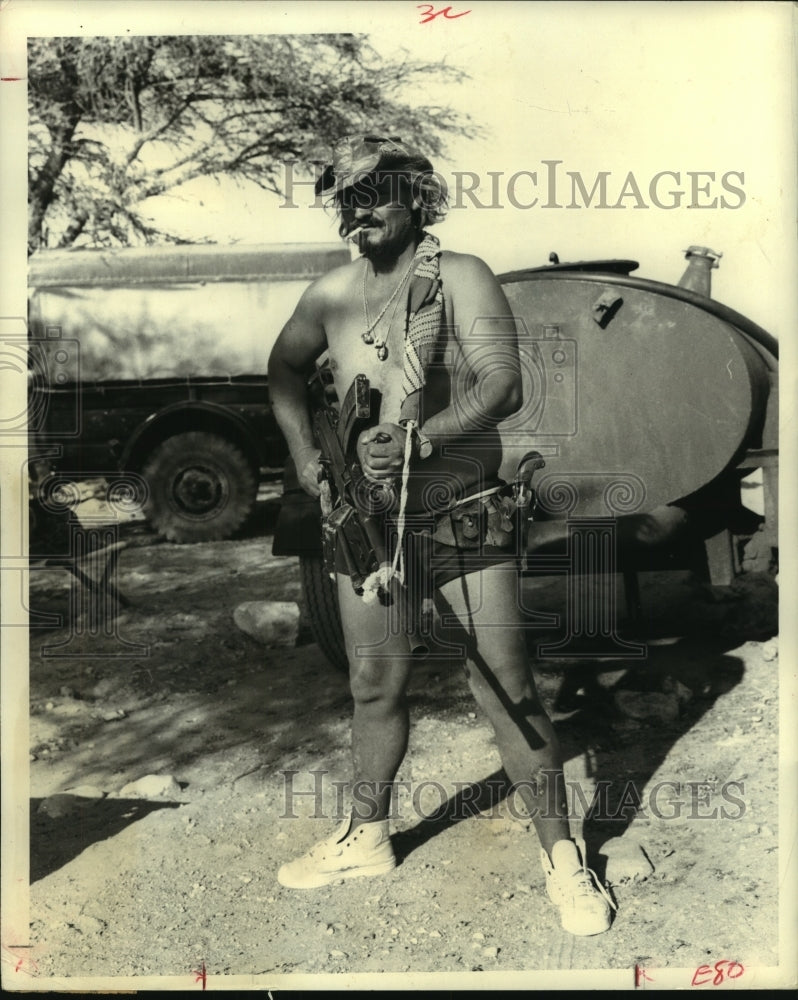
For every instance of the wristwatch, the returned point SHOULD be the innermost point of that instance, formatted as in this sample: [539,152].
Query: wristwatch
[423,443]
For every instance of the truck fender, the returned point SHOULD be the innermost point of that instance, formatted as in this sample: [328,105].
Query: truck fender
[191,415]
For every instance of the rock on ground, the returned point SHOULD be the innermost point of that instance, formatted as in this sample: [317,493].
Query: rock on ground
[626,861]
[151,786]
[272,623]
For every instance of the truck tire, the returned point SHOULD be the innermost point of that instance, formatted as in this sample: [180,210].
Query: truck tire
[324,616]
[202,488]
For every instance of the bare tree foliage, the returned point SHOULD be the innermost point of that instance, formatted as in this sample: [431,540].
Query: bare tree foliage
[115,121]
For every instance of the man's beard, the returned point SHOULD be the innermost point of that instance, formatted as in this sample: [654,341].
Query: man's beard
[381,250]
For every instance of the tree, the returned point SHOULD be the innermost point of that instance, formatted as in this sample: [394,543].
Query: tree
[115,121]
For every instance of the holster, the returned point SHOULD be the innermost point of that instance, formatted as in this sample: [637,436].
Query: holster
[491,520]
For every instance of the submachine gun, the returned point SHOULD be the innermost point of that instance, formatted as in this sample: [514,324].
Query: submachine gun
[354,507]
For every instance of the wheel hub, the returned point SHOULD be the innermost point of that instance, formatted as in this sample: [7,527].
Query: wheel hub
[199,490]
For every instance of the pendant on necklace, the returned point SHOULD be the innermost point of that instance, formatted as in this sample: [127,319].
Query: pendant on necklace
[368,336]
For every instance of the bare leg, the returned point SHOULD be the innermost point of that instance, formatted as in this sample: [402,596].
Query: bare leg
[500,677]
[379,669]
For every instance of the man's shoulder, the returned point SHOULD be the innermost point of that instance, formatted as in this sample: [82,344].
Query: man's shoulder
[463,265]
[465,272]
[333,284]
[471,290]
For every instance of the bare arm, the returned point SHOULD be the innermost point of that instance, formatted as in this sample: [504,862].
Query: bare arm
[486,383]
[301,341]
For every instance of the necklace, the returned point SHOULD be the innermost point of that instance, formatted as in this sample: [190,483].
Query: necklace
[368,334]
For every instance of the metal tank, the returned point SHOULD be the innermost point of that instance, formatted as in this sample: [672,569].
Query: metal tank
[649,404]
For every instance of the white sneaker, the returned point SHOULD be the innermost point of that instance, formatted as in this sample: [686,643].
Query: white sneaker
[585,905]
[364,850]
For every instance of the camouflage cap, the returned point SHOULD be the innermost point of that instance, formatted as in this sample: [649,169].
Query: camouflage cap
[356,157]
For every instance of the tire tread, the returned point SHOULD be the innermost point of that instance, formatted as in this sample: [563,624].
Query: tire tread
[323,612]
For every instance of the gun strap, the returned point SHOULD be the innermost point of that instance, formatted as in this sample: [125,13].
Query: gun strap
[381,577]
[398,556]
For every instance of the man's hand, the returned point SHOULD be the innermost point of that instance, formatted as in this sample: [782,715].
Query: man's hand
[308,469]
[381,451]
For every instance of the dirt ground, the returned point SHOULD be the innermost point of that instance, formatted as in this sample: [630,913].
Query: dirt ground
[681,745]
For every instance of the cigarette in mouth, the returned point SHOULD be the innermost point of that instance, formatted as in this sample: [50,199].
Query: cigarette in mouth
[353,235]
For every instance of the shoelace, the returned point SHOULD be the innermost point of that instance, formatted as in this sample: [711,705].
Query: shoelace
[588,879]
[588,882]
[320,849]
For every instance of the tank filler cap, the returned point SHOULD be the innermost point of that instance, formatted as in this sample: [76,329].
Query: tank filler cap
[712,255]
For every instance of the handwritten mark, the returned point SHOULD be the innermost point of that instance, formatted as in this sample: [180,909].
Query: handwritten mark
[24,963]
[705,975]
[429,13]
[641,976]
[201,976]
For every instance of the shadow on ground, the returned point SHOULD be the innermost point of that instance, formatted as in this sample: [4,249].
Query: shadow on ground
[688,661]
[74,823]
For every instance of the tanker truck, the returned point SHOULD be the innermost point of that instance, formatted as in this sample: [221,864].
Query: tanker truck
[147,368]
[647,406]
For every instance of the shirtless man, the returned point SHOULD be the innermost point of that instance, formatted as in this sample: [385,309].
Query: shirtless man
[404,289]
